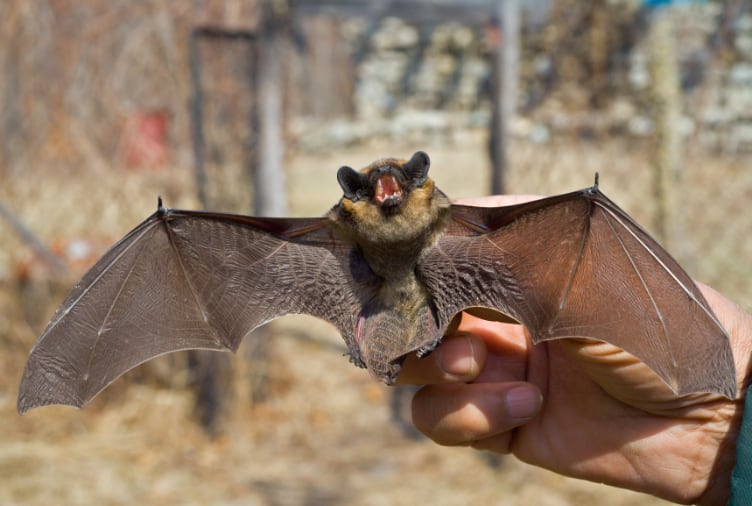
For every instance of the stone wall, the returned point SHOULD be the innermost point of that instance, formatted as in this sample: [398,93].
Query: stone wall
[427,80]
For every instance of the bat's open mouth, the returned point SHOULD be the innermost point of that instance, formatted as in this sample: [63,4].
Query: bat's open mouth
[387,192]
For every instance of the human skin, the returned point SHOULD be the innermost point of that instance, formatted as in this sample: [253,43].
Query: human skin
[581,408]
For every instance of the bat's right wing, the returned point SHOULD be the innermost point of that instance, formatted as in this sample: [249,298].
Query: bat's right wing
[191,280]
[577,266]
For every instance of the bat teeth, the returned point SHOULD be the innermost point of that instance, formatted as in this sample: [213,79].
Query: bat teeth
[387,190]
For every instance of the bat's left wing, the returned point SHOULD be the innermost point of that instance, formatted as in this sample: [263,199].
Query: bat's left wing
[191,280]
[577,266]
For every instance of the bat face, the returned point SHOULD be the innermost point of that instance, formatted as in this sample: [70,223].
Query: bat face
[385,183]
[390,266]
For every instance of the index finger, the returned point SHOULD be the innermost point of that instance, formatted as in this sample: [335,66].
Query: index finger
[459,358]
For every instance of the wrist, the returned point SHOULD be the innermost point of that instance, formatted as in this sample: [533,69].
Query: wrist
[739,326]
[697,456]
[717,485]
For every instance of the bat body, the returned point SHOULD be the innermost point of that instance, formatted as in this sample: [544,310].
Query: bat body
[390,266]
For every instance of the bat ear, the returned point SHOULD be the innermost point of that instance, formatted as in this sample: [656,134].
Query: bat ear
[416,168]
[353,183]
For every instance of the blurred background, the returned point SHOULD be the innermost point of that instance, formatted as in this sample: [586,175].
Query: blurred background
[251,106]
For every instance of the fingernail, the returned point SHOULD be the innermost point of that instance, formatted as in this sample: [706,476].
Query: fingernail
[457,358]
[523,402]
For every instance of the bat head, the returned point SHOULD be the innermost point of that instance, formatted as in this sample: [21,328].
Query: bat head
[385,183]
[390,207]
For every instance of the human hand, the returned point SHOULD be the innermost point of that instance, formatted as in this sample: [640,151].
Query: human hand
[581,408]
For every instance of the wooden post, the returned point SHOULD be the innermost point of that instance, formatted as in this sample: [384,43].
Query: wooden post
[197,118]
[197,107]
[269,186]
[505,90]
[667,150]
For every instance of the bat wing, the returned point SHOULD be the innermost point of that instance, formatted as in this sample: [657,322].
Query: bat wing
[191,280]
[577,266]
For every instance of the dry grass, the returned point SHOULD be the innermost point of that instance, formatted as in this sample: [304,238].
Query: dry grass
[324,436]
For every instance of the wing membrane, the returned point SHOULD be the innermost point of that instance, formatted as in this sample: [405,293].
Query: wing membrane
[191,280]
[577,266]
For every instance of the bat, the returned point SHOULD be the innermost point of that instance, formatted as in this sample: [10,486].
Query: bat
[390,266]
